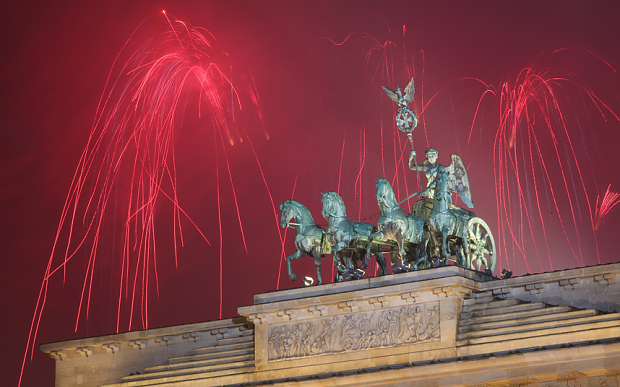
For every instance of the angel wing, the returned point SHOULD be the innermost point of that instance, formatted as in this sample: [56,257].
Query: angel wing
[409,91]
[390,93]
[458,181]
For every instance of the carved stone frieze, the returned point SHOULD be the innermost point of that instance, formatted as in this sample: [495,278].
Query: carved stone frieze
[404,325]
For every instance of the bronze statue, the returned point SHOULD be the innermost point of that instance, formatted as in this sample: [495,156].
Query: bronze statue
[308,239]
[405,229]
[342,234]
[457,179]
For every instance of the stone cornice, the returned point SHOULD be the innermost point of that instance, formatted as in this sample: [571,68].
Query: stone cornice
[602,275]
[366,299]
[138,339]
[370,283]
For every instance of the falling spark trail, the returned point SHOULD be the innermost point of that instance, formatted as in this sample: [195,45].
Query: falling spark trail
[535,195]
[536,105]
[609,201]
[132,136]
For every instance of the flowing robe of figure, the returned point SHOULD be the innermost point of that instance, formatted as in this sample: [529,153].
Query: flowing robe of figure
[458,181]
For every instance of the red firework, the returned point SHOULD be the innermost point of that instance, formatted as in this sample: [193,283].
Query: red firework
[128,165]
[609,201]
[539,177]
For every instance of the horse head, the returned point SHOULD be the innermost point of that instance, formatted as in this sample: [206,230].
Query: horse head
[441,185]
[333,205]
[286,213]
[292,209]
[385,193]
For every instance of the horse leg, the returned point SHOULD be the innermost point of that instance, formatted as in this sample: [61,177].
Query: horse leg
[339,261]
[317,264]
[401,247]
[338,277]
[444,245]
[296,255]
[437,261]
[364,260]
[381,263]
[423,257]
[348,261]
[369,245]
[415,265]
[356,258]
[460,258]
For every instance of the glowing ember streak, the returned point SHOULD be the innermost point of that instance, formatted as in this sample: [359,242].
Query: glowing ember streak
[535,155]
[129,160]
[540,186]
[610,200]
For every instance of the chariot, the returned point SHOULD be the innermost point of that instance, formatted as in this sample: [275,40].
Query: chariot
[482,253]
[435,233]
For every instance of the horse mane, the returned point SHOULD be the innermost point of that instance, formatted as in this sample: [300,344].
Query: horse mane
[443,175]
[336,199]
[392,196]
[300,206]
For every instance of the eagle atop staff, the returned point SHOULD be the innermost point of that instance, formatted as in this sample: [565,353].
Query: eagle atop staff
[398,97]
[406,119]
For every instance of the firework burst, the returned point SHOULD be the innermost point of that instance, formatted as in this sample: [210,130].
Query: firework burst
[539,157]
[128,165]
[603,206]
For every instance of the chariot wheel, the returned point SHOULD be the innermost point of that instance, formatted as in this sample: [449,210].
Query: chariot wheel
[348,343]
[482,251]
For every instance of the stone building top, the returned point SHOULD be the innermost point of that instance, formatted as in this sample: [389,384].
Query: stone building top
[443,327]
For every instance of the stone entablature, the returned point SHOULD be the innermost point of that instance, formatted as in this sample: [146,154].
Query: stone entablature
[106,359]
[587,287]
[390,319]
[442,327]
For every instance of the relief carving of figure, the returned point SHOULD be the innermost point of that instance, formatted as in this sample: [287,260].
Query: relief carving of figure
[297,340]
[307,340]
[433,322]
[392,320]
[402,324]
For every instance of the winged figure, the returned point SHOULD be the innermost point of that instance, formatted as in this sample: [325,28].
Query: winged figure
[458,181]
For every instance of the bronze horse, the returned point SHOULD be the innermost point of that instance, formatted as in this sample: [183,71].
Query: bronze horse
[343,235]
[405,229]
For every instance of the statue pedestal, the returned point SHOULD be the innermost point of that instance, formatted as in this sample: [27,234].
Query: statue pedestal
[372,322]
[442,327]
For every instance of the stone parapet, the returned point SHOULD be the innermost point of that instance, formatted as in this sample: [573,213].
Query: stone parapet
[587,287]
[99,360]
[438,327]
[392,319]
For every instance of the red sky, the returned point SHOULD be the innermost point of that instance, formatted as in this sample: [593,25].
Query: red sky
[56,57]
